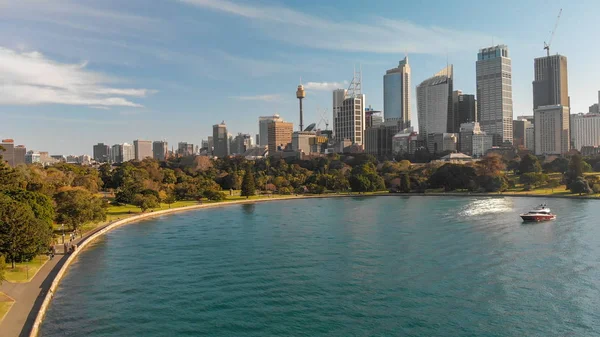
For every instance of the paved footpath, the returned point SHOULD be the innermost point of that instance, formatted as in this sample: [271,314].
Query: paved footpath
[29,296]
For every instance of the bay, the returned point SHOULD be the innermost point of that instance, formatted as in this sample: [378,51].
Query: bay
[360,266]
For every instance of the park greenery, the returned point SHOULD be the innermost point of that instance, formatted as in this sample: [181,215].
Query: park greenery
[36,200]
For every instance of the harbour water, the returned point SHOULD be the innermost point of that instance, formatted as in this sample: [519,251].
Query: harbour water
[384,266]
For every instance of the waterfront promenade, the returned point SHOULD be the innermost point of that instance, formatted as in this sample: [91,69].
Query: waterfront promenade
[29,296]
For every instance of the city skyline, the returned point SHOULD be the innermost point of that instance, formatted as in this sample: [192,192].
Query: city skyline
[136,68]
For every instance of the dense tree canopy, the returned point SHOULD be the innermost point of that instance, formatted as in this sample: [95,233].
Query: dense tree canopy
[77,206]
[248,188]
[22,236]
[529,164]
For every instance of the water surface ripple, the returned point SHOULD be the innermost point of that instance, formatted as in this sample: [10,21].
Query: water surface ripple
[388,266]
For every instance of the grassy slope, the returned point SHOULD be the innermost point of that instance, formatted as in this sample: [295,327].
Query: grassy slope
[22,270]
[5,304]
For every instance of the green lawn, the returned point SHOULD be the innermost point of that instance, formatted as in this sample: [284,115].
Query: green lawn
[24,272]
[5,304]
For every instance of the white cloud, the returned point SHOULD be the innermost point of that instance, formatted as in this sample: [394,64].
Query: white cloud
[379,35]
[325,86]
[31,79]
[264,98]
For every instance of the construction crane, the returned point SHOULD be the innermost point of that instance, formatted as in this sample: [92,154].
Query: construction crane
[323,119]
[547,45]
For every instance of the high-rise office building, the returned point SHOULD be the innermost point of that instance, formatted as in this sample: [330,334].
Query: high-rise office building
[280,135]
[19,155]
[585,129]
[142,149]
[116,153]
[520,126]
[551,129]
[349,116]
[396,94]
[101,153]
[8,154]
[122,153]
[494,93]
[128,152]
[242,143]
[373,118]
[464,110]
[550,84]
[530,138]
[185,149]
[434,102]
[221,140]
[339,95]
[263,128]
[160,149]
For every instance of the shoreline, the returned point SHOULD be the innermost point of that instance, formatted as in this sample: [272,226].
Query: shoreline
[34,332]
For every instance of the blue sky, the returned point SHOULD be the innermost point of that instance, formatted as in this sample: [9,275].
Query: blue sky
[77,72]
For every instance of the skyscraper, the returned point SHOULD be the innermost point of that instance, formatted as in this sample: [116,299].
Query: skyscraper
[101,153]
[550,84]
[263,128]
[494,93]
[280,135]
[396,94]
[349,112]
[464,110]
[434,103]
[160,149]
[221,140]
[142,149]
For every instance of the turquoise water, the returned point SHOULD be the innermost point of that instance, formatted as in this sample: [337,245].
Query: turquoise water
[386,266]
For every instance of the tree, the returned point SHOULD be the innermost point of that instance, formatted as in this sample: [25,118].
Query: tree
[2,268]
[41,205]
[558,165]
[580,186]
[491,165]
[529,164]
[533,179]
[405,183]
[9,178]
[248,188]
[576,169]
[359,183]
[76,207]
[452,177]
[22,236]
[105,174]
[145,202]
[169,199]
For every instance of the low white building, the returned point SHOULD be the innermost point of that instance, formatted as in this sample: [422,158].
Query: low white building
[585,129]
[551,129]
[301,141]
[473,141]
